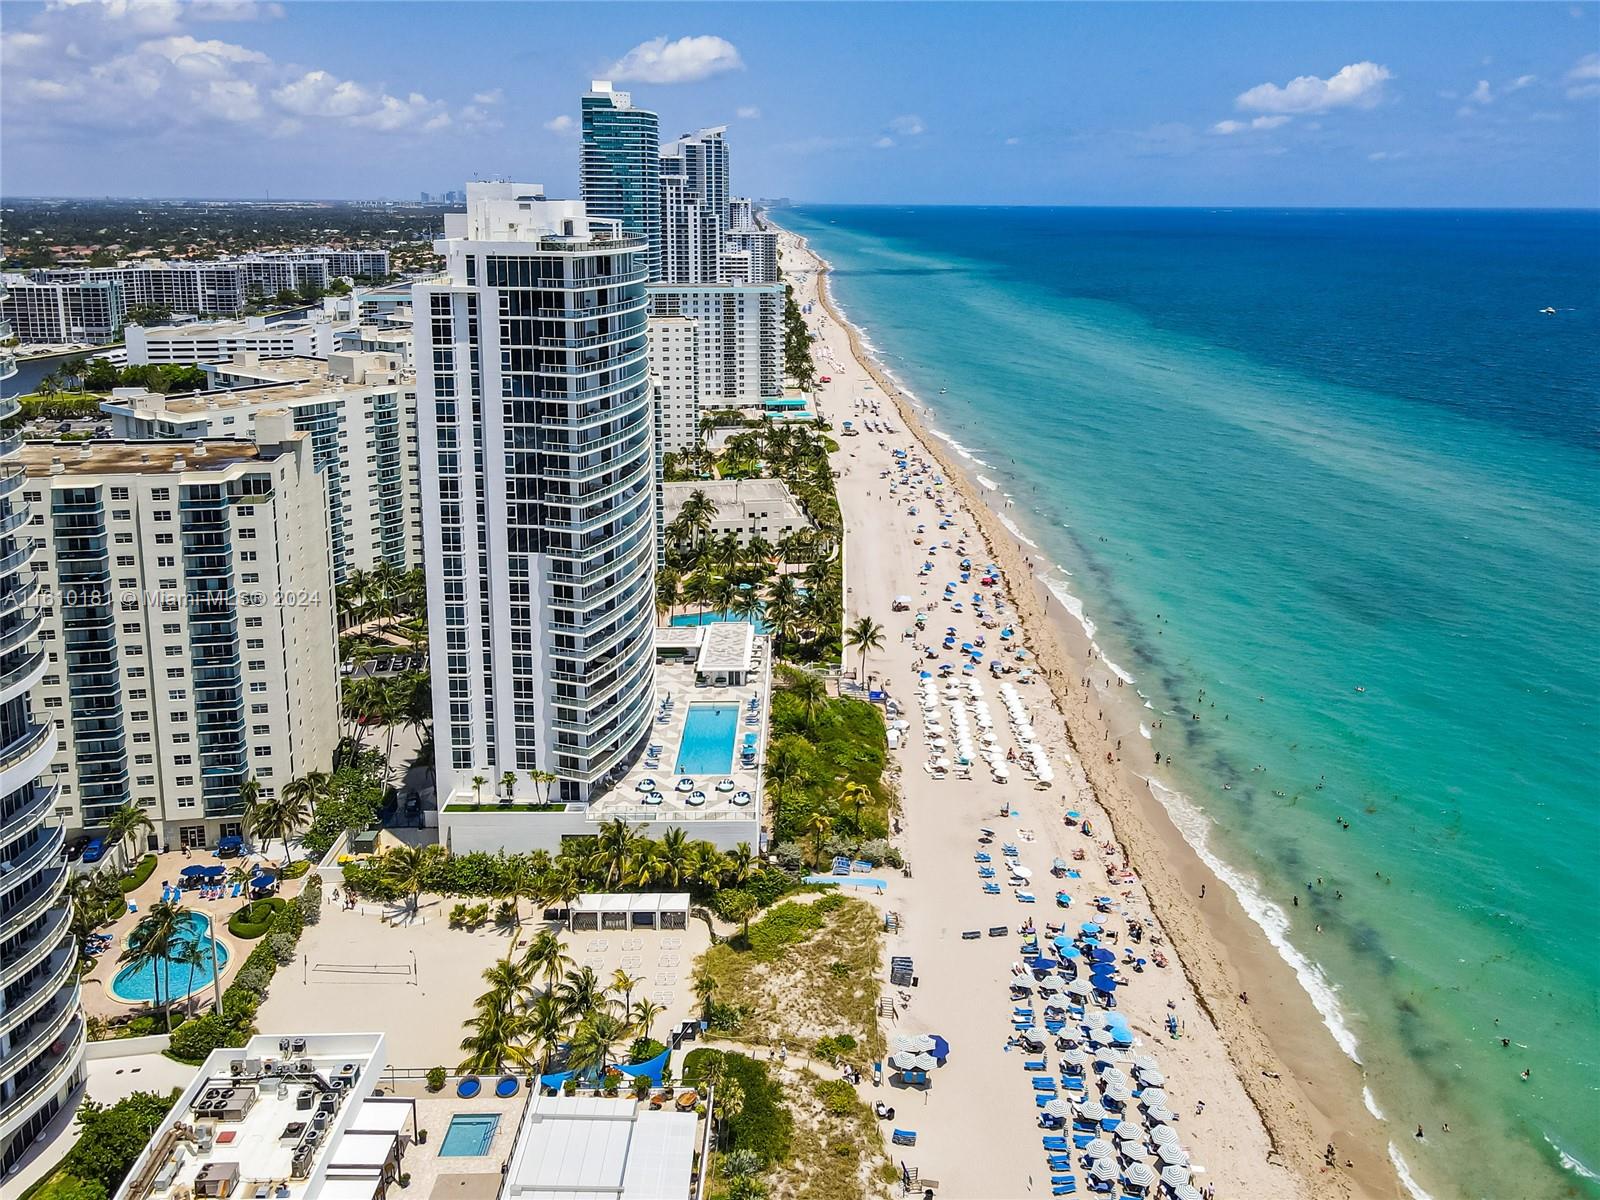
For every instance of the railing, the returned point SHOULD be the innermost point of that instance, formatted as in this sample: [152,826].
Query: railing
[40,992]
[30,743]
[38,948]
[68,1061]
[48,893]
[19,1052]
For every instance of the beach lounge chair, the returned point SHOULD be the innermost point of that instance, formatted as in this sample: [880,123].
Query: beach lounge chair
[985,872]
[1055,1142]
[1064,1189]
[1080,1140]
[991,889]
[1060,1162]
[1059,1180]
[905,1137]
[982,856]
[1025,897]
[1034,1064]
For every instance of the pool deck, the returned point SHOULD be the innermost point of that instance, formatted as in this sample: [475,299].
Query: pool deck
[678,680]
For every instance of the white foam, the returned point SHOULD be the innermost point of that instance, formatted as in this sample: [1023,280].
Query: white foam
[1568,1161]
[1016,532]
[987,482]
[1407,1180]
[1113,668]
[1144,731]
[963,451]
[1195,827]
[1069,602]
[1371,1102]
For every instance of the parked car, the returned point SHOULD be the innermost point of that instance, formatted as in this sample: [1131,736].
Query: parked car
[73,850]
[95,850]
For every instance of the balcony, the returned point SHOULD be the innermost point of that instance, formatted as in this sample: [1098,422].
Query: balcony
[44,894]
[46,849]
[62,967]
[49,1023]
[34,1091]
[37,948]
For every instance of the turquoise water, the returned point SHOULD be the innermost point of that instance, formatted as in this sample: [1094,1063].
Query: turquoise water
[707,744]
[715,618]
[1282,457]
[137,981]
[469,1135]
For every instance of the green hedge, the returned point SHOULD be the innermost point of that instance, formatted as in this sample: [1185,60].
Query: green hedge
[254,919]
[762,1125]
[142,870]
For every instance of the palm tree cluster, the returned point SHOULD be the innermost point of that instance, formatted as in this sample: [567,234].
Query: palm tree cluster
[387,598]
[387,701]
[540,1002]
[164,939]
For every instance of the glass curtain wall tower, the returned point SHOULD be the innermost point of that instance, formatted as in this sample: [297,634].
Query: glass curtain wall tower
[41,1018]
[535,425]
[617,171]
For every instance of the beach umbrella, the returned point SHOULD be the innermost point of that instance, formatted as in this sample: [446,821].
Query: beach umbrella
[1132,1150]
[1172,1154]
[1071,953]
[1045,964]
[922,1043]
[1117,1094]
[1164,1135]
[1145,1063]
[1154,1098]
[1174,1176]
[1159,1113]
[1073,1057]
[1152,1078]
[1060,1107]
[940,1048]
[906,1060]
[925,1062]
[1051,984]
[1090,1110]
[1104,983]
[1186,1192]
[1103,1168]
[1089,927]
[1022,872]
[901,1041]
[1100,1148]
[1101,955]
[1138,1175]
[194,872]
[1061,941]
[1114,1075]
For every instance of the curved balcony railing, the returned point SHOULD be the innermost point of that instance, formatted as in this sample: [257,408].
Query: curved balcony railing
[37,948]
[40,991]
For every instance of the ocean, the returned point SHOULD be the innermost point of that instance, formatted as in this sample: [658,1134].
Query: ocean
[1329,481]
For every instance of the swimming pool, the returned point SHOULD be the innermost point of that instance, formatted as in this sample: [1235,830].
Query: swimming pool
[469,1135]
[137,981]
[707,744]
[716,618]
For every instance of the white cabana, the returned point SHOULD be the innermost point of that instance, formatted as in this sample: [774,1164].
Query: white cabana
[639,910]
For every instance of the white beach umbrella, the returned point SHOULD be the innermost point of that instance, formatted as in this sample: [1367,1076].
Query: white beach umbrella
[1152,1078]
[1100,1148]
[1128,1133]
[1090,1110]
[1113,1077]
[1139,1175]
[1174,1176]
[1022,872]
[1073,1055]
[1060,1107]
[1154,1098]
[1118,1094]
[1103,1168]
[1159,1113]
[1164,1135]
[902,1041]
[1051,984]
[1133,1151]
[1185,1192]
[922,1043]
[906,1060]
[1173,1155]
[1145,1063]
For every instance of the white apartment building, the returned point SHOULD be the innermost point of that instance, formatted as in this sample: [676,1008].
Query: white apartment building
[216,341]
[188,623]
[675,364]
[760,246]
[92,311]
[740,336]
[741,215]
[360,411]
[747,508]
[535,419]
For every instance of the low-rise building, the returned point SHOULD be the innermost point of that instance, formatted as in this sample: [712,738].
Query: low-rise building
[188,621]
[361,413]
[217,341]
[91,311]
[746,508]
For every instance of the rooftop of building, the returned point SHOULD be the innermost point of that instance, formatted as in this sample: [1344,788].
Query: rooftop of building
[277,1113]
[597,1148]
[199,330]
[116,457]
[733,497]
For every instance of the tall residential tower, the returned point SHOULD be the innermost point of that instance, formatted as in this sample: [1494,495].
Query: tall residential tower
[617,170]
[535,427]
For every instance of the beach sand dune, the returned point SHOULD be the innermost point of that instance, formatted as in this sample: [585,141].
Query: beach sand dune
[1262,1130]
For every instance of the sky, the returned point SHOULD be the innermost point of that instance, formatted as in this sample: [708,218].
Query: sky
[1438,104]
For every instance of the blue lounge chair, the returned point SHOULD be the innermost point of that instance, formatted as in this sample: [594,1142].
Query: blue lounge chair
[905,1137]
[991,889]
[1058,1180]
[1034,1064]
[1060,1162]
[985,872]
[1025,897]
[982,856]
[1064,1189]
[1044,1083]
[1055,1142]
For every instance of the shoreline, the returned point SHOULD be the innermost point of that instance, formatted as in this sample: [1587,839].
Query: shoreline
[1223,953]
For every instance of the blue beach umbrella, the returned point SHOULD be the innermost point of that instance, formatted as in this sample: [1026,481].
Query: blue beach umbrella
[1089,927]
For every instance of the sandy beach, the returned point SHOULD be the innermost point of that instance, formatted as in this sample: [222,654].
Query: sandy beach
[1275,1088]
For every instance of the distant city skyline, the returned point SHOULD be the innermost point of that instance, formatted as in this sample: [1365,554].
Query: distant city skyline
[1307,104]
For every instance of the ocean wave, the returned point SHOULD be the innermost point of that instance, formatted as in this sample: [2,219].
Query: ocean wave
[987,482]
[1113,668]
[964,451]
[1016,532]
[1069,602]
[1144,731]
[1568,1161]
[1195,827]
[1371,1102]
[1407,1180]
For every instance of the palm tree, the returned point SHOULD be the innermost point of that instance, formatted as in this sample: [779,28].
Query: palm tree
[700,589]
[783,607]
[508,781]
[644,1014]
[786,762]
[674,858]
[310,789]
[545,780]
[547,957]
[507,981]
[622,982]
[154,941]
[274,817]
[864,635]
[740,863]
[496,1038]
[477,788]
[566,885]
[819,825]
[705,988]
[857,794]
[546,1028]
[667,588]
[811,690]
[188,954]
[580,993]
[614,849]
[595,1039]
[409,869]
[123,824]
[524,881]
[740,906]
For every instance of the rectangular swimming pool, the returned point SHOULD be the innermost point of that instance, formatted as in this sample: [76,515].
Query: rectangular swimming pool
[469,1135]
[707,744]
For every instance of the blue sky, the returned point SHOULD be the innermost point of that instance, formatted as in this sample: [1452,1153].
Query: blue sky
[1310,104]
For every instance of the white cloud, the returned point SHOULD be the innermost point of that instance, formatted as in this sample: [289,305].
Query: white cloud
[909,125]
[884,142]
[561,124]
[687,60]
[748,112]
[1012,141]
[1482,94]
[1522,81]
[1227,127]
[489,97]
[1388,155]
[134,66]
[1359,85]
[1583,81]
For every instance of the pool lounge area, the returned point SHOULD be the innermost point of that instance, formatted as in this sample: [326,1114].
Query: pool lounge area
[706,745]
